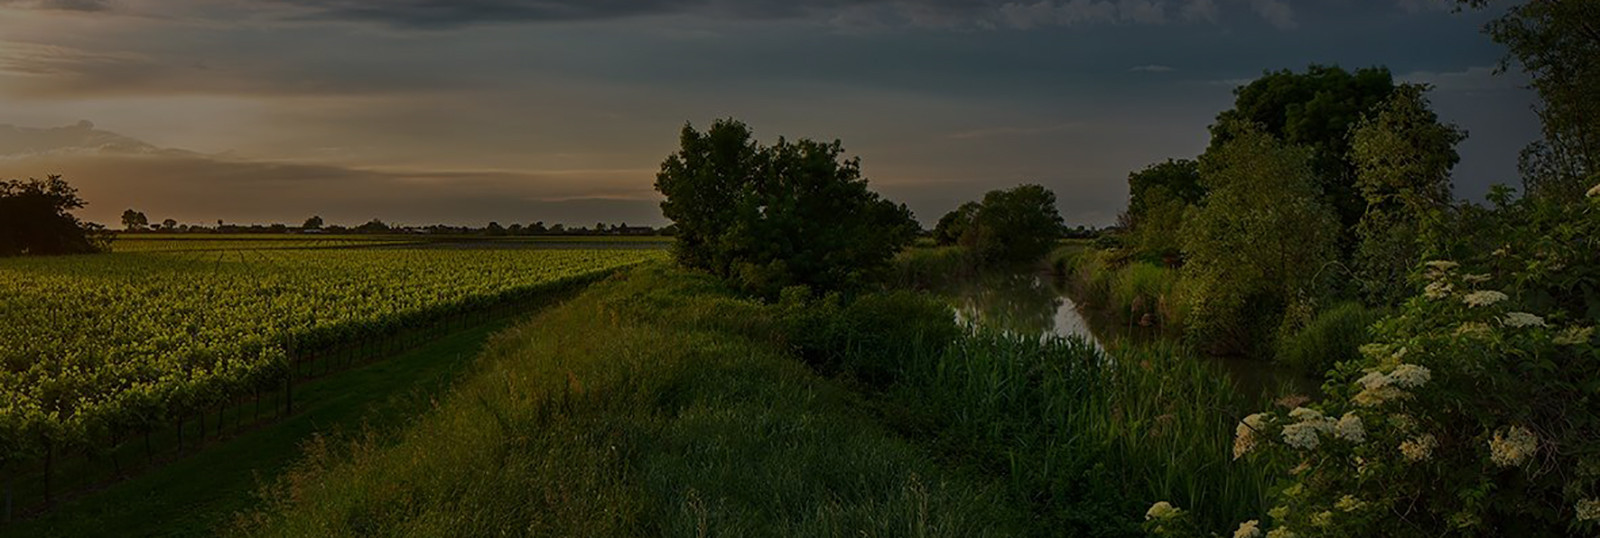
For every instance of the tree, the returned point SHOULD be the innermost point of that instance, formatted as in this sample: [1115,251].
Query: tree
[313,223]
[134,221]
[494,228]
[1403,156]
[766,217]
[1257,243]
[169,225]
[1315,109]
[1558,45]
[1158,196]
[36,218]
[955,223]
[1018,225]
[373,226]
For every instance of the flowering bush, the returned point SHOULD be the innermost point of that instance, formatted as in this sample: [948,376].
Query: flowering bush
[1468,415]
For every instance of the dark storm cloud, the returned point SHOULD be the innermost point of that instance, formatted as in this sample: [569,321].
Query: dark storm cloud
[64,5]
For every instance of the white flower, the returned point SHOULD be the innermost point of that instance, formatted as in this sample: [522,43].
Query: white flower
[1588,510]
[1161,510]
[1281,532]
[1484,298]
[1248,529]
[1574,335]
[1442,265]
[1476,278]
[1594,191]
[1522,319]
[1322,519]
[1245,433]
[1302,435]
[1351,429]
[1349,503]
[1473,328]
[1410,375]
[1374,380]
[1419,448]
[1513,447]
[1437,290]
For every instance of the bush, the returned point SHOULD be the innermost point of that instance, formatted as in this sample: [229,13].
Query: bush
[767,217]
[1020,225]
[1332,337]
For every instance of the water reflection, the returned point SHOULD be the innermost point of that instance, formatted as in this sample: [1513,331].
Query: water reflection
[1030,304]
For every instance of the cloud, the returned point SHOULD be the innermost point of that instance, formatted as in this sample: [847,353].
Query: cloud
[195,187]
[62,5]
[1276,12]
[1152,68]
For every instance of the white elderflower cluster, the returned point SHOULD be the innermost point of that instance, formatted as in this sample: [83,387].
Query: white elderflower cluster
[1419,448]
[1483,298]
[1378,387]
[1304,434]
[1349,503]
[1475,278]
[1442,265]
[1438,289]
[1351,429]
[1162,510]
[1522,319]
[1594,192]
[1573,336]
[1248,529]
[1281,532]
[1588,510]
[1245,434]
[1322,519]
[1513,446]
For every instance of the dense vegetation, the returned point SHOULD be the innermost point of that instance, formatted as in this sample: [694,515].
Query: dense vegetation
[100,347]
[1017,225]
[769,217]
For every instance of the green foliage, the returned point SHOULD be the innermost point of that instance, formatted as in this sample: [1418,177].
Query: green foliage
[1158,196]
[659,403]
[1334,336]
[36,218]
[1557,44]
[1403,156]
[767,217]
[1473,412]
[1257,244]
[1315,109]
[1017,225]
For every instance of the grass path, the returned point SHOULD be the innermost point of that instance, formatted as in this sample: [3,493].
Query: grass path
[192,496]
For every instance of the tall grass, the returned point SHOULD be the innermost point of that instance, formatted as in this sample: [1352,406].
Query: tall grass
[1133,292]
[1333,336]
[655,404]
[1087,440]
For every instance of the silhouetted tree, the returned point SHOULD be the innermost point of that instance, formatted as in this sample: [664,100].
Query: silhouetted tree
[766,217]
[134,221]
[169,225]
[373,226]
[313,223]
[955,223]
[1018,225]
[36,218]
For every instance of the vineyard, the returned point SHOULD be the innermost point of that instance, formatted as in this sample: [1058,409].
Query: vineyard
[95,350]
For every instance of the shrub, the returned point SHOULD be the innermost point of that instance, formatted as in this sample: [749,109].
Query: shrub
[1334,336]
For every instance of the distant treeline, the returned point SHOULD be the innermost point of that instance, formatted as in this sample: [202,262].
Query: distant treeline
[135,221]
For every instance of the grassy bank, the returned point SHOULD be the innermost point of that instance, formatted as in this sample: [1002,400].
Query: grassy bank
[660,403]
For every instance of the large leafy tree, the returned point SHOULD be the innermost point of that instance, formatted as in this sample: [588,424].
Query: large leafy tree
[772,216]
[1403,156]
[1558,44]
[1316,109]
[1257,243]
[1016,225]
[36,218]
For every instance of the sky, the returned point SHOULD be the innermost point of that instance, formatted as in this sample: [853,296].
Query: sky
[516,111]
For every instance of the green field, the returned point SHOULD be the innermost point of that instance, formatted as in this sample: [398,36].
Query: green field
[98,350]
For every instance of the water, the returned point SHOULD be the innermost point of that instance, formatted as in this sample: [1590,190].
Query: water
[1030,304]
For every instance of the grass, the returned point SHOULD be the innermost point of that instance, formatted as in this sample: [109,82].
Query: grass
[660,403]
[657,403]
[195,495]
